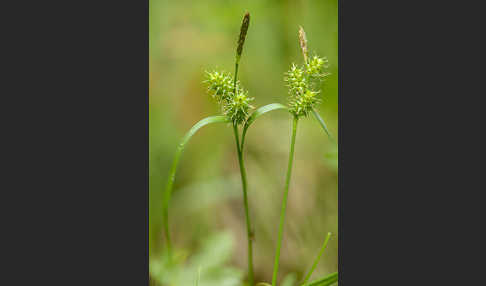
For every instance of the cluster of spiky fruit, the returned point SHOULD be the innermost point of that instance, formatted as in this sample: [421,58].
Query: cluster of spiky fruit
[234,101]
[302,81]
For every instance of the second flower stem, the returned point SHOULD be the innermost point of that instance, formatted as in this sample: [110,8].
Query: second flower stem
[245,202]
[284,201]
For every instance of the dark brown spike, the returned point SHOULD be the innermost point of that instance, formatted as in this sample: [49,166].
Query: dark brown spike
[243,31]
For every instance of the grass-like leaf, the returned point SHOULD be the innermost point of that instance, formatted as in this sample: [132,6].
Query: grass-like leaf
[263,284]
[325,281]
[257,113]
[323,124]
[317,258]
[173,170]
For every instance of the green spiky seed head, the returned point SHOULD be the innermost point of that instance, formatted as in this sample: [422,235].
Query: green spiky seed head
[315,67]
[238,106]
[220,85]
[303,82]
[302,105]
[234,106]
[296,80]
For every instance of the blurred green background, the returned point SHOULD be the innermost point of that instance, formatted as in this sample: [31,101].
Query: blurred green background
[206,214]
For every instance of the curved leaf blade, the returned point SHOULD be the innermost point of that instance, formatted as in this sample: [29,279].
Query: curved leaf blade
[325,281]
[257,113]
[262,110]
[173,170]
[202,123]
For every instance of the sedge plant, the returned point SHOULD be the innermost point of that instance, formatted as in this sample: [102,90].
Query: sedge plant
[235,106]
[303,83]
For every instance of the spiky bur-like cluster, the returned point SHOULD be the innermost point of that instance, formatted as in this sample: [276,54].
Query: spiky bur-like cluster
[303,82]
[220,85]
[315,67]
[235,103]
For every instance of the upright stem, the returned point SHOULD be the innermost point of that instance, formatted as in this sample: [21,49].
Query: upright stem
[284,201]
[243,181]
[234,84]
[245,201]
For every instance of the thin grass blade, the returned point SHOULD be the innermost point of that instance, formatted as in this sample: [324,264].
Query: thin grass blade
[257,113]
[325,281]
[323,124]
[317,258]
[173,170]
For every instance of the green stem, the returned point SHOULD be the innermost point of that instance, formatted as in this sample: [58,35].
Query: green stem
[236,74]
[317,258]
[284,201]
[245,202]
[244,183]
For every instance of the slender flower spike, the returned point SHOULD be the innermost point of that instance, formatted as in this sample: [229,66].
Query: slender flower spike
[234,101]
[303,43]
[241,39]
[302,81]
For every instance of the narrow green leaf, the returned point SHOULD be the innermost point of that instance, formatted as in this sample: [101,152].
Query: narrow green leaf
[323,124]
[317,258]
[173,170]
[202,123]
[257,113]
[325,281]
[263,284]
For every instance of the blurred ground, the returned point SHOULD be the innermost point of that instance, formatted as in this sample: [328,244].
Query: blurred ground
[189,37]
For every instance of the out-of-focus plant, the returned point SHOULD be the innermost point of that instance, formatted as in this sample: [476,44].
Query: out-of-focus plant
[205,267]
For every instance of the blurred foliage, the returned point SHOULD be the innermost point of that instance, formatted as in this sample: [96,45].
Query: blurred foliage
[186,39]
[206,265]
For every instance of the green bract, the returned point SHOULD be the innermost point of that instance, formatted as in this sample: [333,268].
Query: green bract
[234,103]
